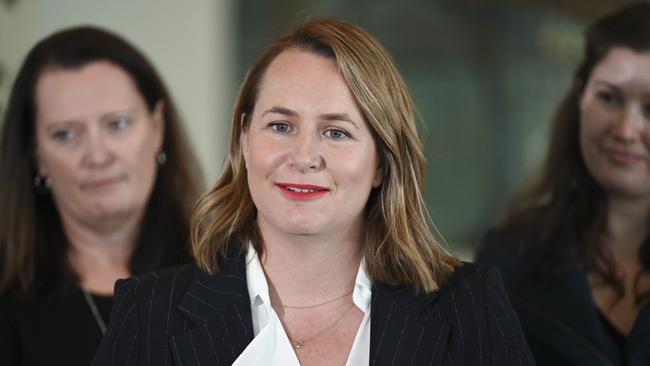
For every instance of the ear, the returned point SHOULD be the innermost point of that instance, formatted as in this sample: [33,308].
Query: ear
[243,138]
[159,124]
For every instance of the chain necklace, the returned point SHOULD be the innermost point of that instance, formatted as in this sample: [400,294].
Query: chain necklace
[299,343]
[317,305]
[93,308]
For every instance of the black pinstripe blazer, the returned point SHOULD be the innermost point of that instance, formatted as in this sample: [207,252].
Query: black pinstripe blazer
[184,316]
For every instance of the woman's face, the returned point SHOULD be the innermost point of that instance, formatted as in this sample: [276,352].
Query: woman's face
[310,156]
[615,123]
[97,141]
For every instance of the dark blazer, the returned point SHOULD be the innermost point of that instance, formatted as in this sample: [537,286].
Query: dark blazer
[559,317]
[184,316]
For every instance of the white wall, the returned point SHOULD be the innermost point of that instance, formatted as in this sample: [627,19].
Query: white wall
[190,43]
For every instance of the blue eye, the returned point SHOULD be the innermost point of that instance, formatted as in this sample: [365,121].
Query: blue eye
[119,123]
[280,127]
[609,98]
[336,134]
[63,135]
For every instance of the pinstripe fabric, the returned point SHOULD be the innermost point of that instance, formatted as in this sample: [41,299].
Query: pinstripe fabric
[183,316]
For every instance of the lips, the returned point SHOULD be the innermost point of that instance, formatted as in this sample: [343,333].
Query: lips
[101,183]
[302,191]
[623,157]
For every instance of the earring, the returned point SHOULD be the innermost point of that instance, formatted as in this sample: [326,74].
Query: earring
[161,158]
[42,183]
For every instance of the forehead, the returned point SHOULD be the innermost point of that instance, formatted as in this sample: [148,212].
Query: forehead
[96,88]
[624,66]
[305,74]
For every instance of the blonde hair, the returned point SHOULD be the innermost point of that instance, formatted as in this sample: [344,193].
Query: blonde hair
[399,246]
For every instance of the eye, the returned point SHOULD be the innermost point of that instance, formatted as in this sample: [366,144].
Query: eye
[63,135]
[119,123]
[609,99]
[280,127]
[336,134]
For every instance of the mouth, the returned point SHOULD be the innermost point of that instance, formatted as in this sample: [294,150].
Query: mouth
[302,191]
[101,183]
[622,157]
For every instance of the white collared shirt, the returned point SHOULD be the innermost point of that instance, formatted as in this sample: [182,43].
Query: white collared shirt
[271,345]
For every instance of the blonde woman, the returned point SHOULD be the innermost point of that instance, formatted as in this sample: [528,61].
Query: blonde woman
[313,246]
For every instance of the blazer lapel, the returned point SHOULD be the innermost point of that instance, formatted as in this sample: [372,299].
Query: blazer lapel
[404,329]
[218,307]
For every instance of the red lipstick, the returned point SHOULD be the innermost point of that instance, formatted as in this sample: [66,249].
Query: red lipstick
[302,191]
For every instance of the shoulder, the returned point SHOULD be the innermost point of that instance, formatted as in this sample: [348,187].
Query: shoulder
[146,286]
[469,278]
[475,287]
[498,245]
[504,249]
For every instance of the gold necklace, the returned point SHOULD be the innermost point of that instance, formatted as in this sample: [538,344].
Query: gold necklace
[317,305]
[299,343]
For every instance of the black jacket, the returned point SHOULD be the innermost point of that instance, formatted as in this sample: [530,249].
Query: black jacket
[559,317]
[184,316]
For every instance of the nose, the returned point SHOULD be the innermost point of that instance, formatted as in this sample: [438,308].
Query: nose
[629,125]
[306,155]
[98,153]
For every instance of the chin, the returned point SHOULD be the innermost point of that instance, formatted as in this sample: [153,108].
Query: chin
[627,189]
[300,228]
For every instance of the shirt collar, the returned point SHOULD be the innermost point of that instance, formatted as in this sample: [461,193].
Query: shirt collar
[258,289]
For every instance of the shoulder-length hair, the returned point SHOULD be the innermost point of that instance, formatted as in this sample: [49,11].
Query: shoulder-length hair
[399,246]
[33,246]
[565,201]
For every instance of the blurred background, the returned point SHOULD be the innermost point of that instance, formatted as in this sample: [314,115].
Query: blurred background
[486,76]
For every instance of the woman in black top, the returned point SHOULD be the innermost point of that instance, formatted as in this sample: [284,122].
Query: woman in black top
[575,247]
[96,183]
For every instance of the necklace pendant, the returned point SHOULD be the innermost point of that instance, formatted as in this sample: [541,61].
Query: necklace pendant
[300,344]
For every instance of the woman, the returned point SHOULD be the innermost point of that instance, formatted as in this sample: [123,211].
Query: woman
[574,248]
[313,246]
[97,182]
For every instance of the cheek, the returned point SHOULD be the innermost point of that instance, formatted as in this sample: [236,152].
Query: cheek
[263,156]
[59,165]
[358,167]
[593,127]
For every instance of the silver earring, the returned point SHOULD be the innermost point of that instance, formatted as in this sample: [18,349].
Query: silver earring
[42,182]
[161,158]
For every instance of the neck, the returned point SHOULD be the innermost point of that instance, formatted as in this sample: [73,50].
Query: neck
[99,254]
[627,228]
[303,270]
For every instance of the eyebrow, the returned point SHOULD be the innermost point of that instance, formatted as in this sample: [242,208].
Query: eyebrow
[54,124]
[344,117]
[281,110]
[607,84]
[623,88]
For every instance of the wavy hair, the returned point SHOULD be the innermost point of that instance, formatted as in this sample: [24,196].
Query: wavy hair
[399,245]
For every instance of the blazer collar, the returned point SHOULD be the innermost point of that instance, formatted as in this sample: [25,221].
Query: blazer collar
[219,308]
[403,325]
